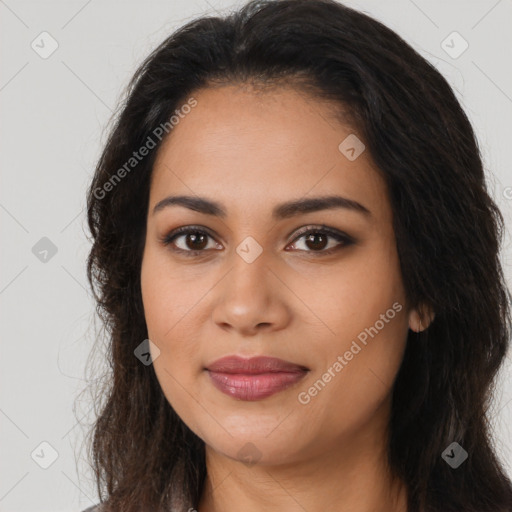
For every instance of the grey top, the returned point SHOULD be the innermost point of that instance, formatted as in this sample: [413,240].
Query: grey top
[94,508]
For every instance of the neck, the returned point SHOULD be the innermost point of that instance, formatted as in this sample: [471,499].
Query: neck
[352,477]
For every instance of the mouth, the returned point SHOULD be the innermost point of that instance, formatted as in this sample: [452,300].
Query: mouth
[255,378]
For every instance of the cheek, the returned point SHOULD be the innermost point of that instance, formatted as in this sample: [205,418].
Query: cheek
[166,305]
[357,377]
[351,296]
[167,310]
[166,296]
[362,307]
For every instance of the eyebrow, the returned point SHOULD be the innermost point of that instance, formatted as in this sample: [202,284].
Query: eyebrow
[281,211]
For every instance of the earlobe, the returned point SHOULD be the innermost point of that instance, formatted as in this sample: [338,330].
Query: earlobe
[419,322]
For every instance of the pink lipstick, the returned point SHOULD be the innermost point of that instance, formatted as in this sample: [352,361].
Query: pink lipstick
[255,378]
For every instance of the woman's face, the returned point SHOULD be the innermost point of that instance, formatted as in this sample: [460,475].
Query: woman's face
[257,285]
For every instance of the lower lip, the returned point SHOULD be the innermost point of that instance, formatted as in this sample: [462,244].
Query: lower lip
[256,386]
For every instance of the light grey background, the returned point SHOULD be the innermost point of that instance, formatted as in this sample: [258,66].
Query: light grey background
[53,123]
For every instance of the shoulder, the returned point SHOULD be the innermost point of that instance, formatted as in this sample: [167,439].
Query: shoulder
[94,508]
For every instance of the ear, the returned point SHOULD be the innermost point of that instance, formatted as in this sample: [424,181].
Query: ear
[420,318]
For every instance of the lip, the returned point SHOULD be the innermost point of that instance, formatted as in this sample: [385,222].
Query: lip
[253,365]
[254,378]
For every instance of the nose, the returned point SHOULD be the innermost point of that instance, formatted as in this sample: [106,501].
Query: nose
[251,298]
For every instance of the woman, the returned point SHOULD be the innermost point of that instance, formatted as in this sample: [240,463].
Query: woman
[297,259]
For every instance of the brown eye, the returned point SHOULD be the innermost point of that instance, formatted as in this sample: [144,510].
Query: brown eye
[316,241]
[192,241]
[188,240]
[196,240]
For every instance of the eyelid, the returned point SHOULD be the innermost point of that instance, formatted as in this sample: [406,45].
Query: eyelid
[324,229]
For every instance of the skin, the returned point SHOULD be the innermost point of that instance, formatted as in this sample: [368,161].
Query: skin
[251,150]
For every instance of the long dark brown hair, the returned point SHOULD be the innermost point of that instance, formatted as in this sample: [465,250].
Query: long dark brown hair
[448,234]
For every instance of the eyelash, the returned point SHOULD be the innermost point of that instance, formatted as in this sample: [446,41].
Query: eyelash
[339,236]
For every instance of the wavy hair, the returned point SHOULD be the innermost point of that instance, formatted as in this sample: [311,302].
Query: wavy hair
[448,234]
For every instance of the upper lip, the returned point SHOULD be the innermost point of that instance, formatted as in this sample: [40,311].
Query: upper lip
[253,365]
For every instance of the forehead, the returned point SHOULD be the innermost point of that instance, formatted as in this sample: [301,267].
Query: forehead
[247,147]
